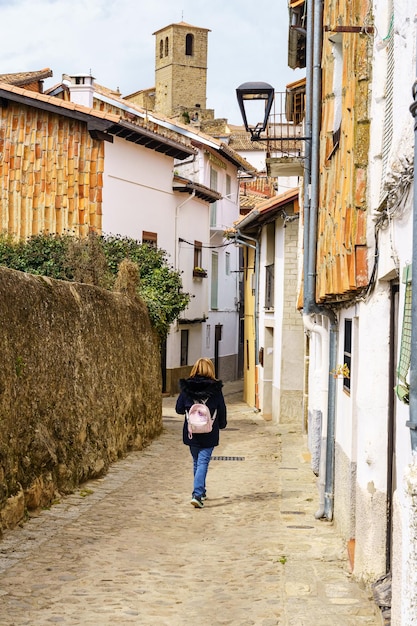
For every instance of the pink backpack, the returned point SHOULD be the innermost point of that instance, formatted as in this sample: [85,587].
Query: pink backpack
[199,418]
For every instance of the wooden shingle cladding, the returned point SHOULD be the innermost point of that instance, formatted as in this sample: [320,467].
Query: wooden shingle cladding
[341,237]
[52,161]
[51,172]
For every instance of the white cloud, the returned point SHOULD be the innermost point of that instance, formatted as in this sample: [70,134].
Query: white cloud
[113,39]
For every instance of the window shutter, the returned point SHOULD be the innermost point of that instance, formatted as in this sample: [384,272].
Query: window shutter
[213,205]
[214,280]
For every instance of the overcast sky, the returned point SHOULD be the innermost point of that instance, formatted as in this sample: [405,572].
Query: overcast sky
[114,40]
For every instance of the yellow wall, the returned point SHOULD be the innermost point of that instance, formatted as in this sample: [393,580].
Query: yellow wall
[249,368]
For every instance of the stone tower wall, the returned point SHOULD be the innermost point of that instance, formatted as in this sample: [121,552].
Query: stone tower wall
[180,78]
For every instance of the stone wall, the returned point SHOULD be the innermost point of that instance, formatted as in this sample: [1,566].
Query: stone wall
[292,369]
[181,78]
[79,387]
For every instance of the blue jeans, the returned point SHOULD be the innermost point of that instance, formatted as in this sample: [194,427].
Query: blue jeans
[201,460]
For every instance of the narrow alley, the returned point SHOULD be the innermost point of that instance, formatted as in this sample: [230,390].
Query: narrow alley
[130,549]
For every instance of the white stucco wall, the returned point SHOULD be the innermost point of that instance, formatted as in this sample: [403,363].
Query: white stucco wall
[395,251]
[138,196]
[372,389]
[137,192]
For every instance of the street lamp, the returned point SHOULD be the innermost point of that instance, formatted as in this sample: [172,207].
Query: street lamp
[250,92]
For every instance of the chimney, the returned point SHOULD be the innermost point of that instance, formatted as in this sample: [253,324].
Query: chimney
[81,88]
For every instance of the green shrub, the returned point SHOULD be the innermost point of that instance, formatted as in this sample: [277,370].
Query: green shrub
[95,260]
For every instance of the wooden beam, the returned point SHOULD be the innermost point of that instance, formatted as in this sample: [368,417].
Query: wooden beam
[349,29]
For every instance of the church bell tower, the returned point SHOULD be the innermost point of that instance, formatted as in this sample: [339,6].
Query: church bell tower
[181,71]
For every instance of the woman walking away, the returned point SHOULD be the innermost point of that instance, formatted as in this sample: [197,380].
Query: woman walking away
[201,387]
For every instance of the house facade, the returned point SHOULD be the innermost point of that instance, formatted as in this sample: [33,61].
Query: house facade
[356,243]
[194,202]
[273,329]
[125,171]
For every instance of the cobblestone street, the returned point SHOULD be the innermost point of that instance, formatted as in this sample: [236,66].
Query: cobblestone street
[130,549]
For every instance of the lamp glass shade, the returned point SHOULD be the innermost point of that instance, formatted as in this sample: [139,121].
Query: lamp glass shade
[255,91]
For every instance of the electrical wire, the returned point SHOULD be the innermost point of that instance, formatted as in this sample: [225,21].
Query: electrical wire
[191,243]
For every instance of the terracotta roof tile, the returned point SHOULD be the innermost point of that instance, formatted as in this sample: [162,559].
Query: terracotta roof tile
[24,78]
[57,102]
[106,91]
[272,204]
[239,139]
[182,24]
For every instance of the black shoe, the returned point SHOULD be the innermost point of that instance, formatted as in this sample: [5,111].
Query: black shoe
[197,502]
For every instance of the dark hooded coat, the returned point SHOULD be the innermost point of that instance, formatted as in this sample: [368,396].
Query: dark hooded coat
[195,390]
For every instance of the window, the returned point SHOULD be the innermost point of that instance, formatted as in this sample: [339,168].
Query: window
[337,80]
[150,238]
[347,353]
[214,280]
[198,254]
[337,51]
[389,107]
[189,45]
[161,49]
[184,347]
[213,205]
[228,186]
[269,286]
[166,46]
[227,263]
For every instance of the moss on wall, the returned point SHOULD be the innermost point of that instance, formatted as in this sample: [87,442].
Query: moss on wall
[79,386]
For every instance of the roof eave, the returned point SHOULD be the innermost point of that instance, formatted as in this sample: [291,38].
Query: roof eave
[184,185]
[149,139]
[94,123]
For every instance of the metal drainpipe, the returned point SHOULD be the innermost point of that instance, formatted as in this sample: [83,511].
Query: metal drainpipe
[307,149]
[412,423]
[313,91]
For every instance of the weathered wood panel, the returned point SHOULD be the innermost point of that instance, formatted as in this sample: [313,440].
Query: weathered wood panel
[341,248]
[51,172]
